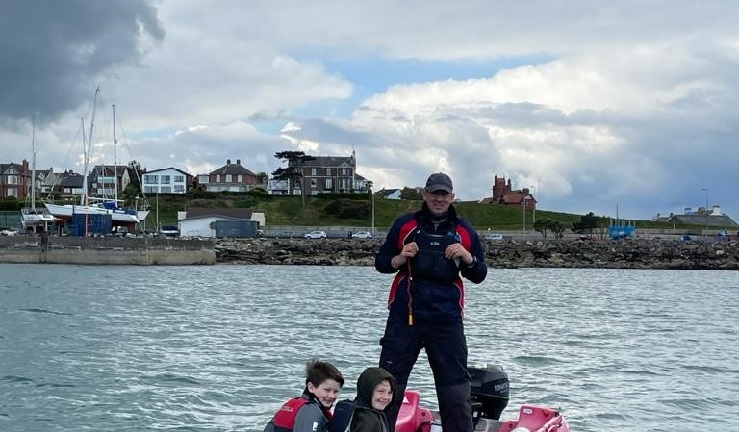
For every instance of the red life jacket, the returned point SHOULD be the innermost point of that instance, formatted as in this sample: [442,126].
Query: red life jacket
[284,420]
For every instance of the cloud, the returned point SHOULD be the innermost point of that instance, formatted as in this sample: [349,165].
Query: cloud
[628,104]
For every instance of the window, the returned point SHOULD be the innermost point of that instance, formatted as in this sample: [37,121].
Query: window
[12,179]
[150,179]
[229,178]
[179,179]
[166,189]
[204,179]
[239,178]
[164,179]
[313,172]
[328,171]
[329,184]
[179,189]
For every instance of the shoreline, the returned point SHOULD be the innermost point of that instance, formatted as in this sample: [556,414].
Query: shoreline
[654,254]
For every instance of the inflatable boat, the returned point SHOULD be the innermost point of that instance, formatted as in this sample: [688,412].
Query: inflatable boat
[489,398]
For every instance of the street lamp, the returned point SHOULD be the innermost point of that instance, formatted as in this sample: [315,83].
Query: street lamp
[372,198]
[705,210]
[523,216]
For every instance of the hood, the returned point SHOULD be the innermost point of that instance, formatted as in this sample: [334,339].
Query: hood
[367,382]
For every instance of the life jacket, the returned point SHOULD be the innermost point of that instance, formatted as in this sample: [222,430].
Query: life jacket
[343,415]
[284,419]
[430,261]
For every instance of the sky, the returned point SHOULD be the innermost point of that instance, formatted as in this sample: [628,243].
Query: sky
[625,109]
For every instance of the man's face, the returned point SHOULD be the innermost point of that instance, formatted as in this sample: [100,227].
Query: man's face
[438,201]
[327,392]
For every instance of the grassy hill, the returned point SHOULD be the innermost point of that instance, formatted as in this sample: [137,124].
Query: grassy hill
[353,210]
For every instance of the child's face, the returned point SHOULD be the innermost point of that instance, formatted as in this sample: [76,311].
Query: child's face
[382,395]
[327,392]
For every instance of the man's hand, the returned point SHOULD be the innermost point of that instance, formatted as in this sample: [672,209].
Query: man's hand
[457,251]
[409,251]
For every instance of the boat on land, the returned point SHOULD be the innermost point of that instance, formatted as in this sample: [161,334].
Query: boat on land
[96,207]
[489,399]
[33,219]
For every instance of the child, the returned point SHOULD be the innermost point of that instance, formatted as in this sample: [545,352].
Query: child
[310,412]
[366,413]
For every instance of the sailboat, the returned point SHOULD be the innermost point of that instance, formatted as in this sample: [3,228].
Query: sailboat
[114,204]
[35,220]
[66,211]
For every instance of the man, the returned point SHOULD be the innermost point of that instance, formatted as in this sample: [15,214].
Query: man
[429,251]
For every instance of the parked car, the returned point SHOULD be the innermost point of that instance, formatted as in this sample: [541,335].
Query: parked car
[362,235]
[169,230]
[494,237]
[8,231]
[316,235]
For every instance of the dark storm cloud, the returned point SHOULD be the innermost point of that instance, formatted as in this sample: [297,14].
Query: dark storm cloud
[52,52]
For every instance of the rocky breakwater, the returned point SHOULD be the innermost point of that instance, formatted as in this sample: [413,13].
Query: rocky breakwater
[622,254]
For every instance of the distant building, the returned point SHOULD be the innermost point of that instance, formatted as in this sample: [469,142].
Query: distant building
[165,181]
[229,178]
[219,222]
[714,218]
[105,180]
[15,180]
[330,174]
[504,194]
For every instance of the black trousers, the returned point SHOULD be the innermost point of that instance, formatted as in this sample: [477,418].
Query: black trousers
[446,348]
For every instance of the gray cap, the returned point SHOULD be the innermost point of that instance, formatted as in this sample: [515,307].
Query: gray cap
[439,182]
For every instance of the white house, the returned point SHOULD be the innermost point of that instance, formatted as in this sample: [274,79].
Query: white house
[165,181]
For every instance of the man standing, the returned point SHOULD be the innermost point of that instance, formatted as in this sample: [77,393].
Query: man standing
[430,251]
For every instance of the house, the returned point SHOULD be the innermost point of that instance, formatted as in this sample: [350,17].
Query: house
[71,183]
[390,193]
[504,194]
[219,222]
[108,180]
[229,178]
[714,218]
[329,174]
[15,180]
[166,181]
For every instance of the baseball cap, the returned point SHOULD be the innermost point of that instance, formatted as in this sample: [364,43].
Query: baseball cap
[439,182]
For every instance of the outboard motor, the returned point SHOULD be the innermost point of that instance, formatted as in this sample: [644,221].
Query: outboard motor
[489,391]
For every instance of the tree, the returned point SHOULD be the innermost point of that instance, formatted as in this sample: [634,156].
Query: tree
[133,189]
[586,224]
[543,226]
[410,194]
[293,174]
[262,177]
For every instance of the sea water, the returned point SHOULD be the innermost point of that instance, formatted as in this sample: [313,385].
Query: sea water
[219,348]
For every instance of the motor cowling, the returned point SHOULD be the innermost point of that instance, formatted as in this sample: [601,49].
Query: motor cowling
[489,391]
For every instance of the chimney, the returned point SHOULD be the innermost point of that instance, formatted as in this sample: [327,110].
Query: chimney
[238,161]
[228,161]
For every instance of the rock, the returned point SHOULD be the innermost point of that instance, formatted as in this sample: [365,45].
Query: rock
[621,254]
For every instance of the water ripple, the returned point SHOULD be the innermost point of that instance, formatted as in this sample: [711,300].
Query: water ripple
[220,348]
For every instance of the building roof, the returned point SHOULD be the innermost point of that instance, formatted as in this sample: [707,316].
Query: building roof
[709,220]
[233,169]
[167,169]
[227,212]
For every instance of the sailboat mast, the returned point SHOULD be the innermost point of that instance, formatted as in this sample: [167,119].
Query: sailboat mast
[115,162]
[87,146]
[33,167]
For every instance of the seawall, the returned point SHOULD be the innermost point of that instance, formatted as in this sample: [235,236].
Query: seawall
[106,251]
[615,254]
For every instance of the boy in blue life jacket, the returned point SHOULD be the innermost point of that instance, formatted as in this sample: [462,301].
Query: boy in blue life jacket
[366,413]
[311,411]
